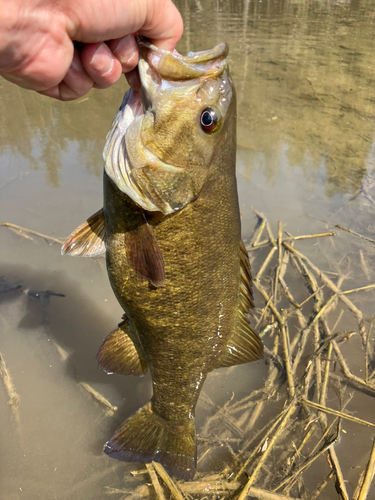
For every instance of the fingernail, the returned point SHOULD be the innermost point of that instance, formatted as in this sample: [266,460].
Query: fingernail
[126,49]
[103,60]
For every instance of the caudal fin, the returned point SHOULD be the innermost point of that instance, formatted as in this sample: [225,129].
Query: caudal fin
[146,437]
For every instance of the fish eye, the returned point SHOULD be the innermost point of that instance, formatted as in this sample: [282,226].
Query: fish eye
[209,120]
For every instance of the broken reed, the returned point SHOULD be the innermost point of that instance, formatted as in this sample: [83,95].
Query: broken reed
[300,435]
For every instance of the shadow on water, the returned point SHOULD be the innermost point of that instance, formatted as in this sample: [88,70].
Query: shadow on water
[66,318]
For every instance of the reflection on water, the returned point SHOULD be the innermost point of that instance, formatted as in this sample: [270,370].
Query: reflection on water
[304,73]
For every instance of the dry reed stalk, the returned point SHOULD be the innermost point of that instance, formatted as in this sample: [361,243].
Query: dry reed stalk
[322,485]
[359,485]
[290,480]
[337,413]
[369,475]
[282,424]
[175,490]
[335,289]
[259,233]
[155,482]
[309,236]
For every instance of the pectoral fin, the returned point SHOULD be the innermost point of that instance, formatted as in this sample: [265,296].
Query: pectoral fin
[144,254]
[119,354]
[88,240]
[244,345]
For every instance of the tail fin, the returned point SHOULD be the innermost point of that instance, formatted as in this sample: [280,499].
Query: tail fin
[147,437]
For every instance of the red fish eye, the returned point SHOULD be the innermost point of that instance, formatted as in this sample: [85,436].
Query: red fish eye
[209,120]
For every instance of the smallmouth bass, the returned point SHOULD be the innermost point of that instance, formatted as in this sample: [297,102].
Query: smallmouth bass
[170,228]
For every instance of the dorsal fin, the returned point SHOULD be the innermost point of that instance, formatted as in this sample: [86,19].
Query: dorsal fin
[244,344]
[119,354]
[88,240]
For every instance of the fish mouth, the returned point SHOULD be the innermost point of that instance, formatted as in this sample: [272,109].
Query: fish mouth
[127,161]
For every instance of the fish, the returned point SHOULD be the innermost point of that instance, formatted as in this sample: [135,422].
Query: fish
[171,232]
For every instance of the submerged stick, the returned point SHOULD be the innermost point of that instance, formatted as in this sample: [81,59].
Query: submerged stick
[335,289]
[168,481]
[309,236]
[369,474]
[291,479]
[354,233]
[337,413]
[285,419]
[322,485]
[30,231]
[99,397]
[155,482]
[14,399]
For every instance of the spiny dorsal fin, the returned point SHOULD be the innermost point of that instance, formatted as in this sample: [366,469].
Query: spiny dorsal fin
[244,344]
[118,353]
[144,254]
[88,240]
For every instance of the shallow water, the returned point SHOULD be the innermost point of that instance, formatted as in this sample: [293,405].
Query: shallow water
[304,73]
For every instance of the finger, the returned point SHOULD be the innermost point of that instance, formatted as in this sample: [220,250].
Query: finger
[101,65]
[164,25]
[133,79]
[126,51]
[75,84]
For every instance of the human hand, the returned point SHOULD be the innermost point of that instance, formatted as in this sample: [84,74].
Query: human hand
[36,42]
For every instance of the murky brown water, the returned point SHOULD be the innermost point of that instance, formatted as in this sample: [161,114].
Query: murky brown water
[305,76]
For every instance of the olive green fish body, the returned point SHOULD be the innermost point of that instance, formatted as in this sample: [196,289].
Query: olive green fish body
[170,228]
[184,325]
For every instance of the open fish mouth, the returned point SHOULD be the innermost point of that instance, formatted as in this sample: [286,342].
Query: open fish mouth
[130,164]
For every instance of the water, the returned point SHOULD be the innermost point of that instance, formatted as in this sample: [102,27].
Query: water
[305,75]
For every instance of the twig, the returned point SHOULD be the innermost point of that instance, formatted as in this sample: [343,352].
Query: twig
[309,236]
[369,474]
[308,462]
[286,417]
[354,233]
[260,230]
[30,231]
[99,397]
[346,369]
[265,263]
[261,244]
[168,481]
[335,289]
[337,413]
[268,299]
[322,485]
[14,399]
[155,482]
[288,368]
[311,296]
[209,486]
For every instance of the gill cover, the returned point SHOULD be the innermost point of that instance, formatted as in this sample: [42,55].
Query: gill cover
[141,153]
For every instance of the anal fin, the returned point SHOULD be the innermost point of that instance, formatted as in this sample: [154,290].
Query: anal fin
[88,240]
[119,354]
[244,344]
